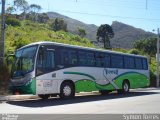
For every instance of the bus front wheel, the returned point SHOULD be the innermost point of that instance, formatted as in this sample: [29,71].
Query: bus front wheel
[67,90]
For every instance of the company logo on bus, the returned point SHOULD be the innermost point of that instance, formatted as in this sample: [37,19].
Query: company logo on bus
[111,71]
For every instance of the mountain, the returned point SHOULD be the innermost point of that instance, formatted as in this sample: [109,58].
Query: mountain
[72,25]
[125,35]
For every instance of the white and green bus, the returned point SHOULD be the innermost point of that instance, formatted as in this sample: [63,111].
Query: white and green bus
[49,68]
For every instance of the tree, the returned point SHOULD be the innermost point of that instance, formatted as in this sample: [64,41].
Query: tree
[147,46]
[34,10]
[43,18]
[59,24]
[81,32]
[104,33]
[13,22]
[10,10]
[23,6]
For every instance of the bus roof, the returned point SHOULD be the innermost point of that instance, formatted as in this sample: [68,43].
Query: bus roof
[78,47]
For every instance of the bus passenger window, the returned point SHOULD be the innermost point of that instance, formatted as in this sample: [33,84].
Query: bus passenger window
[64,56]
[45,62]
[100,60]
[90,59]
[117,61]
[129,62]
[145,65]
[68,57]
[107,61]
[82,58]
[138,62]
[73,57]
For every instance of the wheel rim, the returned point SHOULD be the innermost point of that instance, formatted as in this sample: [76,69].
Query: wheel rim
[126,87]
[67,90]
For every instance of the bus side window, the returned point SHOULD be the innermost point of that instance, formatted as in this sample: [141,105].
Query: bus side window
[107,61]
[86,58]
[45,62]
[145,64]
[117,61]
[68,57]
[82,58]
[64,56]
[90,59]
[129,62]
[73,57]
[100,60]
[138,62]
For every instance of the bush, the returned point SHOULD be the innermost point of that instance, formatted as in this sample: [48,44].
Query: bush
[152,79]
[13,22]
[134,51]
[152,67]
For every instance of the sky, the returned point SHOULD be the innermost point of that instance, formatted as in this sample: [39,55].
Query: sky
[144,14]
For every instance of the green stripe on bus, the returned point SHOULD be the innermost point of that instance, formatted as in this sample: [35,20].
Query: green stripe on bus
[79,73]
[85,85]
[136,80]
[29,88]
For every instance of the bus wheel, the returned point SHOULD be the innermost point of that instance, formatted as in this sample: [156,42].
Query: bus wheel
[44,96]
[104,92]
[125,87]
[67,90]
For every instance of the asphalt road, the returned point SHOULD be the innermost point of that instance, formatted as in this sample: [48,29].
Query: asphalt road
[146,101]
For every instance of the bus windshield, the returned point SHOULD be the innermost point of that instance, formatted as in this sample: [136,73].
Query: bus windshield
[24,61]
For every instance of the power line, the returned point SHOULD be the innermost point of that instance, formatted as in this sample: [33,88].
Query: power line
[121,1]
[125,5]
[135,5]
[111,16]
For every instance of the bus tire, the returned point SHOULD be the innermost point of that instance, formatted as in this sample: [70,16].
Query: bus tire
[125,87]
[67,90]
[104,92]
[44,97]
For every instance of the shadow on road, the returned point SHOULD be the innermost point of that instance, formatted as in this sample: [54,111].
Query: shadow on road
[77,99]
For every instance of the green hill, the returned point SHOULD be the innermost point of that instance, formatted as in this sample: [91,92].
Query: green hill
[125,35]
[29,32]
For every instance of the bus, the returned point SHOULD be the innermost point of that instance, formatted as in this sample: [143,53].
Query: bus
[50,68]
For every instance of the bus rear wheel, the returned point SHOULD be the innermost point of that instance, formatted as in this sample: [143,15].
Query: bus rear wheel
[67,90]
[125,87]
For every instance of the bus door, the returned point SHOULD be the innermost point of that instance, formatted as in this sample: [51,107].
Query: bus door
[45,80]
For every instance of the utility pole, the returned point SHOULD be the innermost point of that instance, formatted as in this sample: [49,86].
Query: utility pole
[2,40]
[158,35]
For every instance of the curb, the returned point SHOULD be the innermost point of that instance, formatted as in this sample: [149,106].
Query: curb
[17,97]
